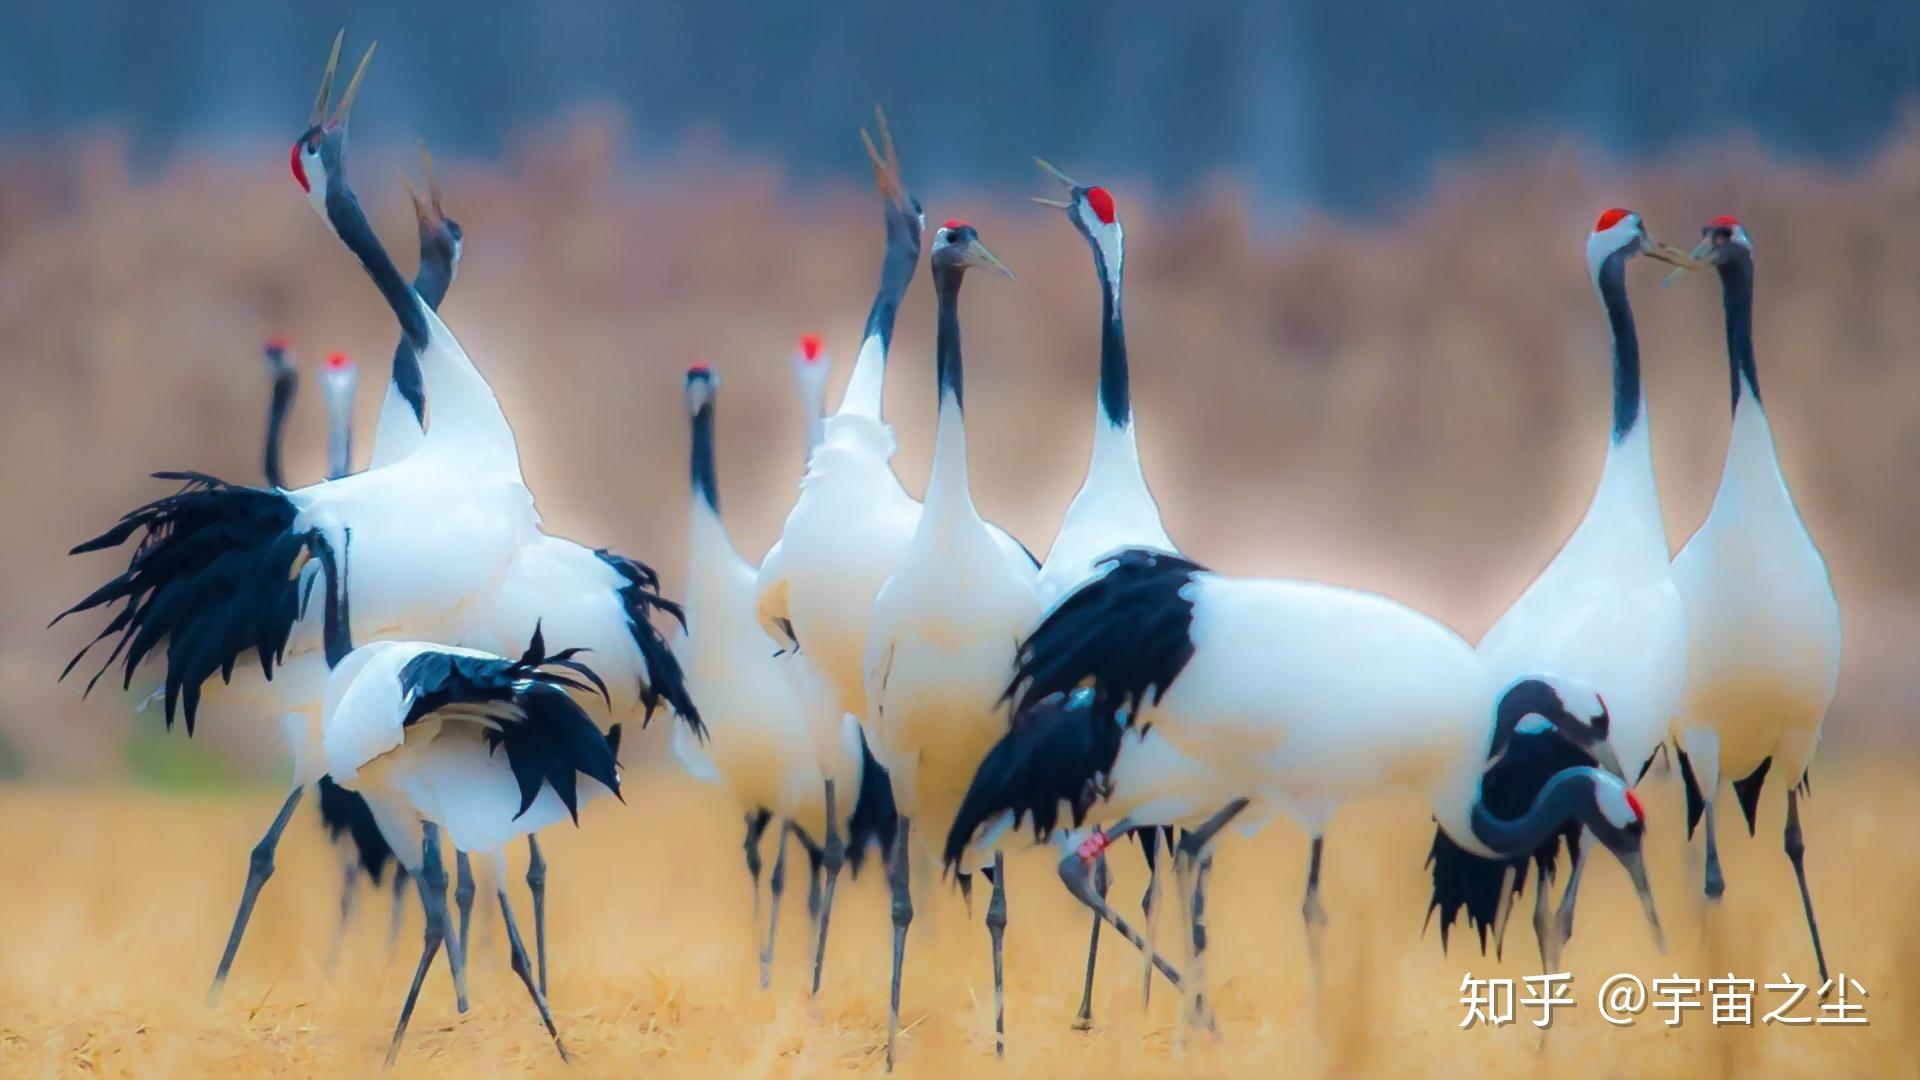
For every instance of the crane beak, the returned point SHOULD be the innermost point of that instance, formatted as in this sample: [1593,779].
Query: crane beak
[1666,253]
[976,254]
[1700,256]
[319,113]
[341,110]
[433,182]
[1604,756]
[886,163]
[1065,180]
[1636,865]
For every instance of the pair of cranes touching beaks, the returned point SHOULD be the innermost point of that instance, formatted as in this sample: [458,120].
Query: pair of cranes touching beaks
[894,663]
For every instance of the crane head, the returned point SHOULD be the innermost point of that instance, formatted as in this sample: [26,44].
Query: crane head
[1092,211]
[316,153]
[810,365]
[702,383]
[440,235]
[957,246]
[1723,241]
[340,375]
[1617,230]
[279,358]
[906,219]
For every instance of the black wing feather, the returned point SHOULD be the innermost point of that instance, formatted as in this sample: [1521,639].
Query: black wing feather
[640,595]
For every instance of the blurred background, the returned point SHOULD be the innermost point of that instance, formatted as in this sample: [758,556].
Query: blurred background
[1364,346]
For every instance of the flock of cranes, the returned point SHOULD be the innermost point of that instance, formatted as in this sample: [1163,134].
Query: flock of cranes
[903,675]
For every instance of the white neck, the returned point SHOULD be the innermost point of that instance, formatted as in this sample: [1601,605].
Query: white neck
[863,396]
[1627,496]
[467,424]
[948,491]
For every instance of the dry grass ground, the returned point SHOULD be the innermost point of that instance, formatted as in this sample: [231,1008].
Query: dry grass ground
[116,902]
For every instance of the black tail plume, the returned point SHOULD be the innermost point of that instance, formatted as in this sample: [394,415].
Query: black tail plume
[346,814]
[1059,751]
[665,682]
[212,576]
[875,817]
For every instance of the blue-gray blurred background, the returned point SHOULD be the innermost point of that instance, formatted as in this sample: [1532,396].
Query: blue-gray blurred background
[1365,349]
[1346,106]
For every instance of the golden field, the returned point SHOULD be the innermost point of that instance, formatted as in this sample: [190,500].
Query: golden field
[117,902]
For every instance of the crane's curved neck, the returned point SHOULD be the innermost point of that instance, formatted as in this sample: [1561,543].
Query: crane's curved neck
[431,282]
[864,395]
[470,424]
[1736,295]
[337,625]
[1628,402]
[1560,801]
[286,382]
[948,486]
[705,487]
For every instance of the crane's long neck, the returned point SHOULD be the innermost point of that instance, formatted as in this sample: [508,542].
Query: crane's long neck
[705,487]
[431,282]
[865,386]
[1116,455]
[286,382]
[337,625]
[339,429]
[470,425]
[1736,295]
[947,488]
[1560,801]
[1629,403]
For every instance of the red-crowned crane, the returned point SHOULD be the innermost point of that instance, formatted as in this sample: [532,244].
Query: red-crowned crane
[945,627]
[1604,611]
[1307,697]
[448,547]
[438,737]
[1763,628]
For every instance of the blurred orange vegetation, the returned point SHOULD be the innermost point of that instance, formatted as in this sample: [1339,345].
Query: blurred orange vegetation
[105,949]
[1416,406]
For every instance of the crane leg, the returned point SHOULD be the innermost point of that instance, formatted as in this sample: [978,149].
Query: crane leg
[1796,851]
[1715,885]
[756,828]
[523,969]
[400,879]
[997,930]
[1503,912]
[350,879]
[537,885]
[1150,903]
[259,869]
[1542,922]
[1315,917]
[1102,881]
[1577,855]
[1192,866]
[435,904]
[1077,874]
[898,875]
[463,898]
[832,857]
[432,880]
[776,885]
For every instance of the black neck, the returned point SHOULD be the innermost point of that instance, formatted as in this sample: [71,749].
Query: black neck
[285,383]
[1564,798]
[896,273]
[1736,295]
[705,485]
[1115,399]
[1626,343]
[946,287]
[336,627]
[350,223]
[1524,698]
[431,282]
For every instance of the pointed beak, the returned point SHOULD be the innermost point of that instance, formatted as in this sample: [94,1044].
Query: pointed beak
[340,111]
[976,254]
[326,81]
[1636,865]
[1698,257]
[1064,179]
[1606,758]
[886,162]
[1666,253]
